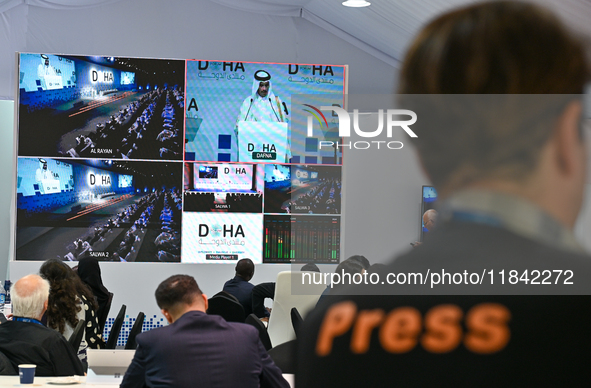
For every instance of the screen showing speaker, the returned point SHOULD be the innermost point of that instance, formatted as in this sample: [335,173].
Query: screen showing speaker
[187,161]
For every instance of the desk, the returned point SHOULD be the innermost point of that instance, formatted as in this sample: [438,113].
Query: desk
[13,381]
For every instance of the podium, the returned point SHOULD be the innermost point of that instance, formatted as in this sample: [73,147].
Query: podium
[191,127]
[51,82]
[50,186]
[263,142]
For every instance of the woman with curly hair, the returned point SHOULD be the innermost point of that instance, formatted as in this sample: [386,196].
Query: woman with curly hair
[70,301]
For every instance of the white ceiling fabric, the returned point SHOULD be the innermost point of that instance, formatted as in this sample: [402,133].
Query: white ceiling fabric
[5,5]
[268,7]
[382,30]
[385,27]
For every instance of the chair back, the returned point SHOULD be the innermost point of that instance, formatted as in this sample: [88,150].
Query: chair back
[296,321]
[6,367]
[285,356]
[227,308]
[135,330]
[227,295]
[104,313]
[253,320]
[77,335]
[280,327]
[116,329]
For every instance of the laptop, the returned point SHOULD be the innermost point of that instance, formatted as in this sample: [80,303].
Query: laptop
[107,366]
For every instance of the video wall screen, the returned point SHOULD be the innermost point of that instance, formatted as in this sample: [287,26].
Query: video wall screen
[302,189]
[112,210]
[187,161]
[101,107]
[253,112]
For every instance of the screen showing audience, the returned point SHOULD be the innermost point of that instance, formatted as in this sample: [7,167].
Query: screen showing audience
[177,161]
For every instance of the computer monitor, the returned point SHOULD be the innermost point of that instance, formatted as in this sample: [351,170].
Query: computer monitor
[108,366]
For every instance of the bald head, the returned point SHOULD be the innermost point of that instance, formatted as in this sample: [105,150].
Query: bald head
[245,269]
[430,219]
[29,296]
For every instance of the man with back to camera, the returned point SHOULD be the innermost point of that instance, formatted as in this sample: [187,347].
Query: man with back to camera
[196,349]
[240,285]
[353,265]
[25,340]
[429,222]
[510,175]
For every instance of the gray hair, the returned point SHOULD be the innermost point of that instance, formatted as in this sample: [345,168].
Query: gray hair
[28,295]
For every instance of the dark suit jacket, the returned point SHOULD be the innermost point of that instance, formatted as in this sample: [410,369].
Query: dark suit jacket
[200,350]
[242,290]
[32,343]
[380,337]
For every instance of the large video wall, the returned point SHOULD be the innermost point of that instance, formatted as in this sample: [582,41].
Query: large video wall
[192,161]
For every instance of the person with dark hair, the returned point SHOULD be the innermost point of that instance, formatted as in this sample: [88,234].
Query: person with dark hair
[376,268]
[497,88]
[361,260]
[197,349]
[350,267]
[25,340]
[70,301]
[310,267]
[240,285]
[89,272]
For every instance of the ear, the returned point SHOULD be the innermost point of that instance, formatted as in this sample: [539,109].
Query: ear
[568,140]
[205,302]
[167,315]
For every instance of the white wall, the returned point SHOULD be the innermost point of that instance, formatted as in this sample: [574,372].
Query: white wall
[6,177]
[185,29]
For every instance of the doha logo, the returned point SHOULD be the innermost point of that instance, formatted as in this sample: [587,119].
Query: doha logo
[392,121]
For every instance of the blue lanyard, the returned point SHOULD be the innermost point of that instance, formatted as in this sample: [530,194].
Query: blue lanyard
[31,320]
[477,218]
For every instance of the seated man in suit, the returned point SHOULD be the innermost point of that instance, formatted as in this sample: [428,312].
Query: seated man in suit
[196,349]
[240,285]
[500,134]
[24,339]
